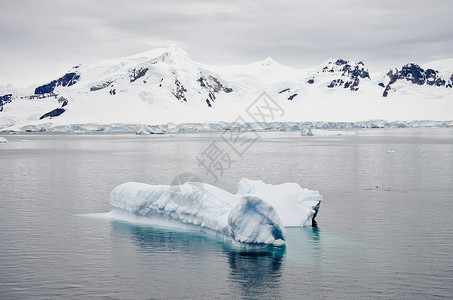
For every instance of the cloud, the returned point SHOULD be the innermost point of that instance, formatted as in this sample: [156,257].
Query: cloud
[41,39]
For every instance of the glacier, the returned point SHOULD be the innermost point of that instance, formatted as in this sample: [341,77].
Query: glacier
[318,128]
[256,215]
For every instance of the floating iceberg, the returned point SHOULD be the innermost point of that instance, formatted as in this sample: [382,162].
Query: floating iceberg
[257,214]
[295,206]
[3,140]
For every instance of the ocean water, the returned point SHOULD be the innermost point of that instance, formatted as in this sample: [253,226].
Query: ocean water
[385,227]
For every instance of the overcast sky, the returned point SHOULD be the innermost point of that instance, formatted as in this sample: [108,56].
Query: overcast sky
[42,39]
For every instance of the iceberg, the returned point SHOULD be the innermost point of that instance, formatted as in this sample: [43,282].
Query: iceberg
[3,140]
[257,214]
[296,206]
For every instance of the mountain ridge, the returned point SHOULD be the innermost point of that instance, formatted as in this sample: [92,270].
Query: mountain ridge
[166,85]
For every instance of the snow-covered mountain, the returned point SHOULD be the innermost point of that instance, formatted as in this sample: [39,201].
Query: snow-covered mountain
[164,85]
[415,74]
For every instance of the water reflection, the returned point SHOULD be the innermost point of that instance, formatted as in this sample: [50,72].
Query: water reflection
[155,239]
[313,234]
[257,274]
[252,273]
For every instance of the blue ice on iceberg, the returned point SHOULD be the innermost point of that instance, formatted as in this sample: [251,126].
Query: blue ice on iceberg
[257,214]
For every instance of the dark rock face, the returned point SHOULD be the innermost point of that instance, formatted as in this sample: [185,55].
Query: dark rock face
[292,96]
[348,69]
[212,86]
[63,101]
[386,91]
[433,79]
[179,91]
[5,99]
[416,75]
[45,89]
[288,90]
[350,74]
[137,73]
[341,62]
[100,86]
[54,113]
[40,96]
[410,72]
[67,80]
[358,71]
[336,82]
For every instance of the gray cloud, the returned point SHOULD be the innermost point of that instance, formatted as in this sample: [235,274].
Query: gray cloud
[42,39]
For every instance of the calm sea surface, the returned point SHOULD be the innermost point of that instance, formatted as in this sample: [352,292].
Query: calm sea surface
[385,227]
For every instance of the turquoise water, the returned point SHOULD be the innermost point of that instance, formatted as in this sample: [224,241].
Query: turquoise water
[384,227]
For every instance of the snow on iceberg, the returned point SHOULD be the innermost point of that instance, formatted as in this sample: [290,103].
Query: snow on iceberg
[251,216]
[296,206]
